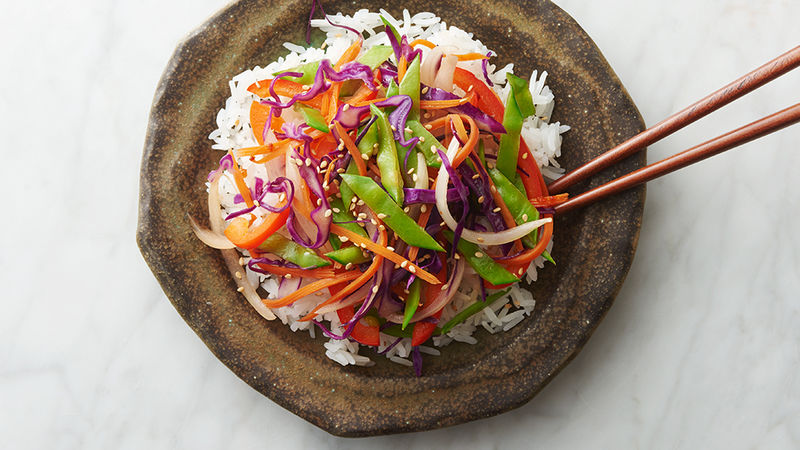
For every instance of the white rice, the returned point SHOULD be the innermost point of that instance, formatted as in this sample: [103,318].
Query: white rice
[542,137]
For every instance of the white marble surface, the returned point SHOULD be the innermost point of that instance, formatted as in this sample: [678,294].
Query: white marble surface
[699,351]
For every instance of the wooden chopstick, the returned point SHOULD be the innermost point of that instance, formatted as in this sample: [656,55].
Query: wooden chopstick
[697,153]
[739,87]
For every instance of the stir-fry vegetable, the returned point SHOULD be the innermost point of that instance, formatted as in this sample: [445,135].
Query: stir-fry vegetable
[395,174]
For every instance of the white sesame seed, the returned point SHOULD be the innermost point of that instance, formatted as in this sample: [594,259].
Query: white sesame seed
[288,275]
[412,269]
[337,210]
[382,227]
[476,176]
[323,164]
[496,209]
[328,213]
[480,199]
[238,275]
[381,216]
[404,264]
[525,155]
[240,289]
[481,240]
[409,130]
[423,208]
[364,156]
[406,209]
[348,266]
[524,217]
[428,126]
[445,286]
[422,139]
[425,90]
[393,128]
[375,289]
[343,238]
[308,162]
[345,107]
[478,254]
[340,170]
[457,256]
[390,248]
[410,171]
[414,177]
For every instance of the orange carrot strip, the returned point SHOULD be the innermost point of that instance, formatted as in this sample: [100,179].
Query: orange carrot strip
[269,157]
[357,283]
[350,54]
[471,56]
[367,102]
[238,177]
[402,65]
[444,104]
[424,42]
[351,147]
[284,88]
[324,272]
[385,252]
[310,289]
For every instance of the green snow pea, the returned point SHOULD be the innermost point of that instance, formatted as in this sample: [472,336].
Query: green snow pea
[375,56]
[517,203]
[412,301]
[427,140]
[387,161]
[410,86]
[512,121]
[393,89]
[347,255]
[379,201]
[309,71]
[314,119]
[367,143]
[483,264]
[347,193]
[292,252]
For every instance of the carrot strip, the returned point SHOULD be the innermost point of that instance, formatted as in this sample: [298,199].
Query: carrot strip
[324,272]
[351,147]
[363,93]
[285,88]
[350,54]
[357,283]
[471,56]
[367,102]
[310,289]
[385,252]
[424,42]
[444,104]
[402,65]
[238,177]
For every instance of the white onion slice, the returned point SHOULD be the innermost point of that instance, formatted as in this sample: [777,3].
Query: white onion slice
[477,237]
[210,238]
[230,256]
[444,78]
[427,71]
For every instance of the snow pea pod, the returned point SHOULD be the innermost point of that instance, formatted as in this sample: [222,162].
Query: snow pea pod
[517,203]
[375,56]
[388,163]
[292,252]
[426,141]
[412,302]
[410,86]
[482,263]
[512,121]
[379,201]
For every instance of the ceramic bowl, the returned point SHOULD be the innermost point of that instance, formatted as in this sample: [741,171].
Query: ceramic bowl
[594,247]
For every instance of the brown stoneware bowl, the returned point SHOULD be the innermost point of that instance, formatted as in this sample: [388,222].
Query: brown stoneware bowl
[594,247]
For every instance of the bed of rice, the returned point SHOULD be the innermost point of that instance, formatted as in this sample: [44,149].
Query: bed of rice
[542,137]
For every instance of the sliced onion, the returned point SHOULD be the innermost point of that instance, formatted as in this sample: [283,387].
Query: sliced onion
[210,238]
[427,71]
[230,256]
[444,77]
[477,237]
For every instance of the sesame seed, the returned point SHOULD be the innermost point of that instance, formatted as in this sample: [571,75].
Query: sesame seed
[427,115]
[340,170]
[406,209]
[524,217]
[443,223]
[323,164]
[345,107]
[375,146]
[381,216]
[362,215]
[409,130]
[428,126]
[520,271]
[360,202]
[394,128]
[496,209]
[525,155]
[319,201]
[493,188]
[481,240]
[470,88]
[240,289]
[241,261]
[476,176]
[412,269]
[410,171]
[414,177]
[382,227]
[363,245]
[445,286]
[478,254]
[337,210]
[423,208]
[456,256]
[348,266]
[422,139]
[425,90]
[481,199]
[364,156]
[439,158]
[343,238]
[396,266]
[308,162]
[404,264]
[288,275]
[238,275]
[375,289]
[390,248]
[255,202]
[328,213]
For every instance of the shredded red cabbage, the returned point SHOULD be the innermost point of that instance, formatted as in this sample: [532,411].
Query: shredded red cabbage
[463,194]
[350,116]
[224,164]
[483,120]
[363,131]
[484,67]
[413,196]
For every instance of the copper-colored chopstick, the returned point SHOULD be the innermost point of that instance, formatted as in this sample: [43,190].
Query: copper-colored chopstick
[700,152]
[675,122]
